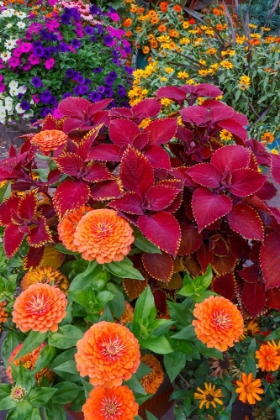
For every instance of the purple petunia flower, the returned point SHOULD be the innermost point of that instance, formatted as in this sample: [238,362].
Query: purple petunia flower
[93,38]
[69,73]
[36,82]
[87,81]
[108,81]
[54,37]
[97,70]
[95,96]
[20,96]
[45,111]
[101,89]
[37,44]
[129,70]
[83,89]
[94,10]
[80,80]
[66,95]
[127,50]
[45,96]
[89,30]
[63,47]
[76,90]
[108,93]
[38,51]
[113,75]
[25,105]
[52,100]
[75,43]
[65,19]
[25,47]
[14,62]
[17,52]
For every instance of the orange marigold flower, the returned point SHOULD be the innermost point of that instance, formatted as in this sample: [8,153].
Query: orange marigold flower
[162,28]
[219,323]
[249,389]
[128,34]
[268,137]
[153,379]
[41,307]
[268,359]
[117,403]
[28,361]
[127,315]
[146,50]
[47,275]
[127,22]
[108,353]
[49,140]
[177,8]
[67,227]
[103,235]
[3,314]
[275,346]
[163,6]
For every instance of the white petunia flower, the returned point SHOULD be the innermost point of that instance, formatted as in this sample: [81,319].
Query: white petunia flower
[9,26]
[8,13]
[2,113]
[9,106]
[22,89]
[13,92]
[21,15]
[6,55]
[19,109]
[28,114]
[21,25]
[13,84]
[10,44]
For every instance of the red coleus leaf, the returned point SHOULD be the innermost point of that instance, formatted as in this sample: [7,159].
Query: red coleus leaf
[130,203]
[224,285]
[184,135]
[158,157]
[136,172]
[256,203]
[39,234]
[270,260]
[106,153]
[97,172]
[275,167]
[218,245]
[96,107]
[70,195]
[50,123]
[158,197]
[208,207]
[250,274]
[70,164]
[8,209]
[224,265]
[171,92]
[159,266]
[234,127]
[120,112]
[195,115]
[259,152]
[27,205]
[107,190]
[203,89]
[191,239]
[206,175]
[267,191]
[72,123]
[85,144]
[141,140]
[175,205]
[229,158]
[163,230]
[220,112]
[161,131]
[239,247]
[244,220]
[122,131]
[13,238]
[204,256]
[33,257]
[146,109]
[253,298]
[276,213]
[246,182]
[73,107]
[53,176]
[100,118]
[273,299]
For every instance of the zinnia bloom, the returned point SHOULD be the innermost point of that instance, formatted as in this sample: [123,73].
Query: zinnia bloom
[117,403]
[268,359]
[49,140]
[67,227]
[220,366]
[41,307]
[103,235]
[209,396]
[47,275]
[108,353]
[153,379]
[249,389]
[219,323]
[127,316]
[28,361]
[268,137]
[3,314]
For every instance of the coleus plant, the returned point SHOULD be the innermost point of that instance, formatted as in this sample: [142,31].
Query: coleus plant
[195,199]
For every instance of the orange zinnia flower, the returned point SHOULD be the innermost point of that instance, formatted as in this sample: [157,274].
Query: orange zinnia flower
[268,358]
[103,235]
[28,361]
[219,323]
[47,275]
[163,6]
[40,308]
[108,353]
[3,314]
[117,403]
[127,315]
[268,137]
[49,140]
[177,8]
[153,379]
[67,227]
[249,389]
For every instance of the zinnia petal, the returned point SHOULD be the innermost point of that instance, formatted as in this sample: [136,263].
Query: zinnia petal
[48,140]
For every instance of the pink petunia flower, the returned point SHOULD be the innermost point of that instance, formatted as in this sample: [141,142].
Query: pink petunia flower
[36,99]
[33,59]
[25,47]
[17,52]
[49,63]
[14,62]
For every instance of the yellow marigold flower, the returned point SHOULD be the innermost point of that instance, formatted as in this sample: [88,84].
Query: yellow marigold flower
[200,100]
[173,33]
[47,275]
[268,359]
[240,39]
[108,353]
[226,64]
[180,121]
[165,101]
[252,328]
[152,13]
[191,82]
[182,75]
[210,32]
[211,51]
[185,24]
[154,20]
[252,26]
[203,72]
[249,389]
[219,98]
[144,123]
[144,92]
[219,323]
[197,42]
[184,41]
[153,379]
[209,396]
[255,36]
[268,137]
[225,135]
[163,79]
[168,70]
[274,152]
[215,66]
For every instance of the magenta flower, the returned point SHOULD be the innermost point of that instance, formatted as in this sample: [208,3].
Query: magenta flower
[52,2]
[57,114]
[114,16]
[26,67]
[25,47]
[2,87]
[52,25]
[1,77]
[36,99]
[49,63]
[14,62]
[17,52]
[33,59]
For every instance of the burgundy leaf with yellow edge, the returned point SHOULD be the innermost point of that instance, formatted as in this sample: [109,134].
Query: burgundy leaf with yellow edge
[223,265]
[253,298]
[270,260]
[239,247]
[122,132]
[195,115]
[273,299]
[229,158]
[134,288]
[191,239]
[39,233]
[33,257]
[171,92]
[70,195]
[250,274]
[105,152]
[204,256]
[245,182]
[27,205]
[244,220]
[141,140]
[159,196]
[157,156]
[147,108]
[206,175]
[9,208]
[163,230]
[130,203]
[267,191]
[70,164]
[224,285]
[275,167]
[159,266]
[13,238]
[107,190]
[97,172]
[161,131]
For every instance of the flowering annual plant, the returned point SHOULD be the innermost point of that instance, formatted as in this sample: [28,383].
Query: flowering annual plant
[57,52]
[215,48]
[120,230]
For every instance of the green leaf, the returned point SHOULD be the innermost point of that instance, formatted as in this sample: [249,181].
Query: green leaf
[106,315]
[179,313]
[144,244]
[159,345]
[143,370]
[174,363]
[66,392]
[34,339]
[40,396]
[205,280]
[46,356]
[134,384]
[61,248]
[68,366]
[150,416]
[87,387]
[66,337]
[124,269]
[202,349]
[11,340]
[84,279]
[144,310]
[7,403]
[117,303]
[187,333]
[5,390]
[5,191]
